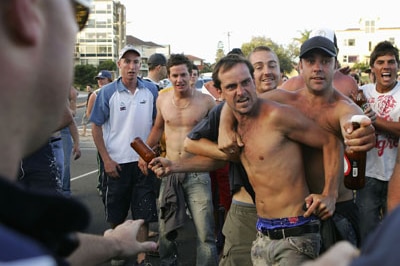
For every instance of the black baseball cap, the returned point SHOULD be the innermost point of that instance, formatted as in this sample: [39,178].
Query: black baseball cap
[318,42]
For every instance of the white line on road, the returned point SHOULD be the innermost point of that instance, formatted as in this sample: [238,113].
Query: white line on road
[80,176]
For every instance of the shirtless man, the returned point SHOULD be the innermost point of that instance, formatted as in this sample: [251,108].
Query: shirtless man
[346,216]
[178,111]
[239,227]
[332,111]
[280,186]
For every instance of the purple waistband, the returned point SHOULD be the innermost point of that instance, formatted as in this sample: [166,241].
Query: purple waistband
[263,223]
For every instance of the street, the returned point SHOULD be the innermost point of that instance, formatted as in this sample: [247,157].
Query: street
[83,186]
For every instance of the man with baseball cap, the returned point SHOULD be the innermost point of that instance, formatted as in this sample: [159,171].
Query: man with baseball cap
[341,81]
[125,109]
[318,80]
[104,74]
[157,69]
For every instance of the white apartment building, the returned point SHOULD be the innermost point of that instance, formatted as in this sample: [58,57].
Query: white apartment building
[356,44]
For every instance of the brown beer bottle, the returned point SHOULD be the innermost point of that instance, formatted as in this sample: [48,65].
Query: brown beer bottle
[355,162]
[143,149]
[361,100]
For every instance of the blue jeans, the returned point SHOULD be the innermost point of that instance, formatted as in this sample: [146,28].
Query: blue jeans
[57,147]
[197,191]
[67,146]
[371,202]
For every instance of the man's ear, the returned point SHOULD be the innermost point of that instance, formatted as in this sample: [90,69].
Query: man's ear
[24,19]
[300,66]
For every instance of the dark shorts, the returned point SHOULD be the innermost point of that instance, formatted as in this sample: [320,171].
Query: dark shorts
[133,191]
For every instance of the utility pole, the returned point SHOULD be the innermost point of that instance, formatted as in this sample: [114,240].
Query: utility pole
[229,40]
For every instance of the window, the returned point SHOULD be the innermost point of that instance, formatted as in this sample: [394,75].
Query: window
[369,26]
[352,59]
[351,42]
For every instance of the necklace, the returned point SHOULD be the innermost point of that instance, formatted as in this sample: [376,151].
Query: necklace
[181,107]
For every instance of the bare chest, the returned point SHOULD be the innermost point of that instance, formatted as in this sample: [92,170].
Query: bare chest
[186,117]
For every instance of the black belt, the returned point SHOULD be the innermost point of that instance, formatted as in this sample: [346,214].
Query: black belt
[292,231]
[54,139]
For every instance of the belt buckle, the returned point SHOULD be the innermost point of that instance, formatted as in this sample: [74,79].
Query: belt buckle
[275,234]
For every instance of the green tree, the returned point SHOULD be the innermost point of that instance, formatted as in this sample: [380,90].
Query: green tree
[219,55]
[294,46]
[360,67]
[207,68]
[84,74]
[107,65]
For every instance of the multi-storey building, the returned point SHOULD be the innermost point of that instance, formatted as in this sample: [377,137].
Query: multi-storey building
[104,34]
[356,44]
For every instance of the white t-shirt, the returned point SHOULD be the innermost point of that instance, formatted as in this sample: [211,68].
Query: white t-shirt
[381,159]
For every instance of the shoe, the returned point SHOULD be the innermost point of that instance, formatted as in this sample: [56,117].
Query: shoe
[143,263]
[117,262]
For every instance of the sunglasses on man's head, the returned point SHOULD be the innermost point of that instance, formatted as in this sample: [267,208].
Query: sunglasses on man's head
[81,14]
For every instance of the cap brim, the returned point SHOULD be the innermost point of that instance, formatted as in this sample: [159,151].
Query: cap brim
[329,52]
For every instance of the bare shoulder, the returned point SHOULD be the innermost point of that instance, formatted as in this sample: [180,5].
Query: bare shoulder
[345,83]
[341,98]
[281,116]
[165,94]
[205,98]
[293,84]
[280,95]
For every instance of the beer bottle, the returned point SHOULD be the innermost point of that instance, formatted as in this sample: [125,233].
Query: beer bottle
[355,162]
[361,100]
[143,149]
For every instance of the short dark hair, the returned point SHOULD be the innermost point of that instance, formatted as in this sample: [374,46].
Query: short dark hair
[384,48]
[226,63]
[179,59]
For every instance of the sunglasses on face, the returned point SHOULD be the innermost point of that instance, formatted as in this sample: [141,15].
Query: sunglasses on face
[81,15]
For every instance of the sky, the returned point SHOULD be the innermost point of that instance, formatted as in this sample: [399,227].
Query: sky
[197,27]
